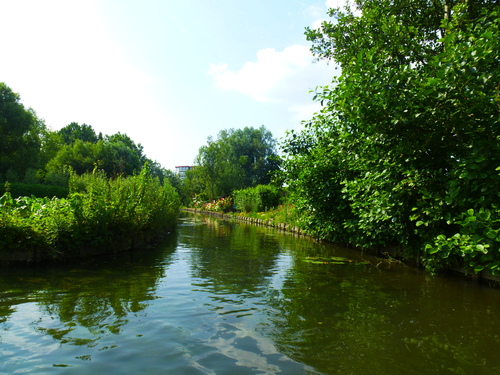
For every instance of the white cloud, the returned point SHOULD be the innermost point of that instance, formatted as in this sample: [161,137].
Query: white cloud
[276,76]
[315,11]
[342,4]
[282,78]
[334,4]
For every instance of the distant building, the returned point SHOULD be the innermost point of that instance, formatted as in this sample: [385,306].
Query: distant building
[181,170]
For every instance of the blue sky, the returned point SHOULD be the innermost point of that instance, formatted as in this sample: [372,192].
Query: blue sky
[168,73]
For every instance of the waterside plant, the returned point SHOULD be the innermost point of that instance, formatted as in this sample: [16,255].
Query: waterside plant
[98,213]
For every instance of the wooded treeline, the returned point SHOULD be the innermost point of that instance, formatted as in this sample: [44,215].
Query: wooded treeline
[31,153]
[73,193]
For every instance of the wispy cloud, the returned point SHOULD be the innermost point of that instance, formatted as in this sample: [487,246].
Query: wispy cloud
[284,78]
[334,4]
[275,76]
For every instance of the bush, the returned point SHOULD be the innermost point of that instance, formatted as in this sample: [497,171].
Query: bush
[97,212]
[123,206]
[19,189]
[255,199]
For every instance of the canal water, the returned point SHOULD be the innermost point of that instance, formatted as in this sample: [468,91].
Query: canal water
[229,298]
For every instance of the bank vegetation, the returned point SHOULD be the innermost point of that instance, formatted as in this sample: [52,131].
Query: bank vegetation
[99,215]
[405,152]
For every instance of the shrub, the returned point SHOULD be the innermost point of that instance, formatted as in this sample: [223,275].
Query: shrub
[224,204]
[98,211]
[259,198]
[18,189]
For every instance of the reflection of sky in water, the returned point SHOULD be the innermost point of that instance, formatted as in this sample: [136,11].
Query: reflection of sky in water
[19,334]
[251,308]
[227,335]
[283,264]
[235,345]
[185,329]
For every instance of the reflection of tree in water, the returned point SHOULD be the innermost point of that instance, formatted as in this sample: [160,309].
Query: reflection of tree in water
[93,300]
[233,258]
[350,318]
[322,316]
[346,319]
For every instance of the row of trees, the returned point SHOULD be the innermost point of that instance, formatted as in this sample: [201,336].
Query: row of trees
[406,149]
[32,153]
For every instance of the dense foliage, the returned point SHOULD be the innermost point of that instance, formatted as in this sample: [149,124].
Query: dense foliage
[105,191]
[237,159]
[20,138]
[20,189]
[98,212]
[258,198]
[406,149]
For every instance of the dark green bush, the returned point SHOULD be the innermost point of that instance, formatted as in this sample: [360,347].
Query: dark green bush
[258,198]
[19,189]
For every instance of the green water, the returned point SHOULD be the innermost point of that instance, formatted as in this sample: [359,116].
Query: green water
[222,298]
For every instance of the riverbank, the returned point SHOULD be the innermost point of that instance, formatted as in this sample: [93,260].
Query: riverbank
[390,253]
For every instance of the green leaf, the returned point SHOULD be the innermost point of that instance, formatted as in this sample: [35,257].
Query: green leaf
[433,250]
[478,269]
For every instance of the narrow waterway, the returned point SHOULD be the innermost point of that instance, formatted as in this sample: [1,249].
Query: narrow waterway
[228,298]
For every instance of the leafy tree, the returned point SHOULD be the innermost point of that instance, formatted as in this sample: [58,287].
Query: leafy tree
[215,169]
[51,142]
[70,133]
[80,156]
[116,155]
[168,175]
[19,138]
[116,158]
[255,152]
[137,149]
[32,153]
[410,128]
[235,160]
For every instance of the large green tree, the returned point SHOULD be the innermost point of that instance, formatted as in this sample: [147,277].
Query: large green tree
[237,159]
[407,143]
[116,155]
[30,152]
[19,133]
[70,133]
